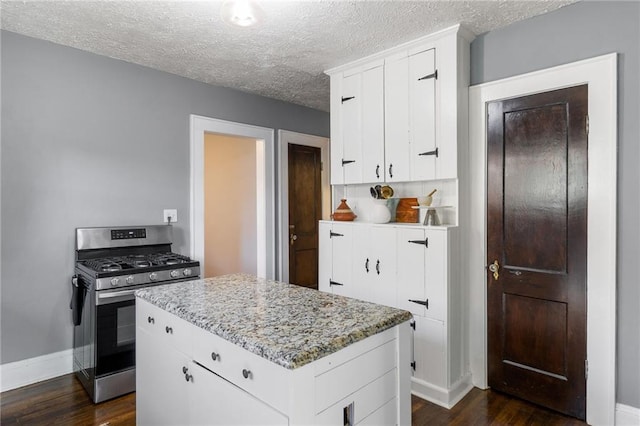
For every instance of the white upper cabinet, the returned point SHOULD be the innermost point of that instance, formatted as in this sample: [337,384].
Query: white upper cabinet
[422,115]
[400,115]
[396,119]
[357,126]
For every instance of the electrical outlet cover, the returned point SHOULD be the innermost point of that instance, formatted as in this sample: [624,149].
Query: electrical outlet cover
[170,213]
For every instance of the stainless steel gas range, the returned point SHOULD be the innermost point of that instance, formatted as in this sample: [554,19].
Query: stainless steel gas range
[111,264]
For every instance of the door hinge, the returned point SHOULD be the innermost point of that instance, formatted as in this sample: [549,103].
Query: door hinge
[347,162]
[586,369]
[413,365]
[413,324]
[586,124]
[426,77]
[424,242]
[335,234]
[347,98]
[332,283]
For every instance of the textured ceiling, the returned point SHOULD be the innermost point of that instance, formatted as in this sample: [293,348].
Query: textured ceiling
[283,58]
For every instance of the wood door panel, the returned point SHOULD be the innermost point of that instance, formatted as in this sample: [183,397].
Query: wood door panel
[305,210]
[535,334]
[535,216]
[536,231]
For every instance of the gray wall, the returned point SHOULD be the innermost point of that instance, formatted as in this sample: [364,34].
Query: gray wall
[93,141]
[576,32]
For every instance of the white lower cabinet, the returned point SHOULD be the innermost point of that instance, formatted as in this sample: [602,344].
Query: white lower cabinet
[417,275]
[215,401]
[207,380]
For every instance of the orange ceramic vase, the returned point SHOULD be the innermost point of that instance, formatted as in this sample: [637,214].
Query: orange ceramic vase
[343,212]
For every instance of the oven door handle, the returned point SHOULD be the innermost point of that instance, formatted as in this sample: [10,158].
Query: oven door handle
[103,298]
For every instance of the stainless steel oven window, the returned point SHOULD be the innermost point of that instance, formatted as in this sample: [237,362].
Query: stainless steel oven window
[126,323]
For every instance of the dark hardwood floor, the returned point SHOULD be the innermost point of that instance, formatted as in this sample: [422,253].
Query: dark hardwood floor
[63,401]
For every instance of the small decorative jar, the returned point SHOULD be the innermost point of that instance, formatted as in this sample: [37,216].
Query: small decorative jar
[343,212]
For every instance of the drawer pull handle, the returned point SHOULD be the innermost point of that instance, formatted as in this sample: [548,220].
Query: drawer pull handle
[424,303]
[246,373]
[366,265]
[168,329]
[214,356]
[188,377]
[151,320]
[378,171]
[390,170]
[378,266]
[184,370]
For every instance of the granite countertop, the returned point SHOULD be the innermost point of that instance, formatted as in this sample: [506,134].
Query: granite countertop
[284,323]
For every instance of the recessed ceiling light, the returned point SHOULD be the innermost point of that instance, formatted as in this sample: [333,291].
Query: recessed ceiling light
[241,13]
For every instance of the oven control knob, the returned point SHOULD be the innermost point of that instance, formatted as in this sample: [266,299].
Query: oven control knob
[175,274]
[115,281]
[187,272]
[153,276]
[129,279]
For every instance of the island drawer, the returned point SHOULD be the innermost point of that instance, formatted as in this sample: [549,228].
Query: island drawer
[376,400]
[347,378]
[173,330]
[258,376]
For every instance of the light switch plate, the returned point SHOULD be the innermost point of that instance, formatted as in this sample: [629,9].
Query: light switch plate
[170,215]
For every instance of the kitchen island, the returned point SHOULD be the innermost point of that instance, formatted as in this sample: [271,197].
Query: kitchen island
[243,350]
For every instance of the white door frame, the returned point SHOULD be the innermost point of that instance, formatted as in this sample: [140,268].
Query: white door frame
[600,74]
[285,137]
[265,187]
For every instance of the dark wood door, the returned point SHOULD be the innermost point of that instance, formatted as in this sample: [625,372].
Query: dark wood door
[537,247]
[305,210]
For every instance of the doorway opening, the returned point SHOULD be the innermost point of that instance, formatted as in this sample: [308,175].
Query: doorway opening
[230,205]
[263,140]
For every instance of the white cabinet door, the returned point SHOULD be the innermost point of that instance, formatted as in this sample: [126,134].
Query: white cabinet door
[161,397]
[383,268]
[412,248]
[214,401]
[374,264]
[422,272]
[325,257]
[422,119]
[372,128]
[351,104]
[396,119]
[337,172]
[435,268]
[341,255]
[429,351]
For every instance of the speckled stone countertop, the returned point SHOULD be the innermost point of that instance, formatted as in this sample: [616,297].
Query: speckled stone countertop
[284,323]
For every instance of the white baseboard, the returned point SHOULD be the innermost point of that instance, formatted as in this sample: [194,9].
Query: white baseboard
[443,397]
[21,373]
[627,415]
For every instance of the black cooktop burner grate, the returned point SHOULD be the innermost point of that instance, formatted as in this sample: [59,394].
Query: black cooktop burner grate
[139,261]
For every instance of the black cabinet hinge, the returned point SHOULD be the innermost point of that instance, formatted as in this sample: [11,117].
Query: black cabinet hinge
[427,77]
[347,98]
[413,324]
[331,283]
[424,242]
[347,162]
[413,365]
[424,303]
[434,152]
[335,234]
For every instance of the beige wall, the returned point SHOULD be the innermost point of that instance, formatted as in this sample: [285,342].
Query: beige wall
[230,205]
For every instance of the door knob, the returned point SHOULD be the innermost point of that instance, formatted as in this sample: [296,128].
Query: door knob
[292,238]
[495,267]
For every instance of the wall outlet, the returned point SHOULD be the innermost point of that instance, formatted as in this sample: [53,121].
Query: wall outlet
[170,216]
